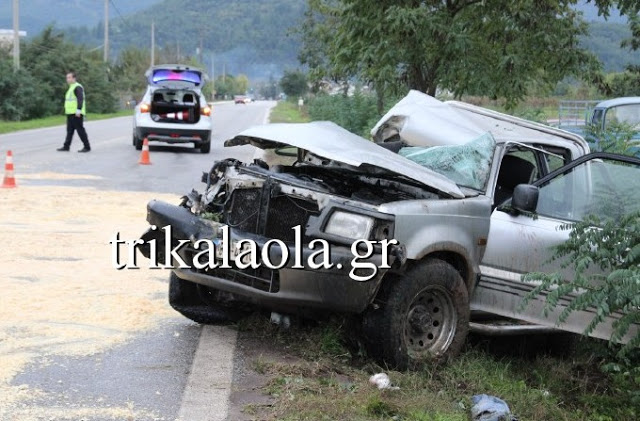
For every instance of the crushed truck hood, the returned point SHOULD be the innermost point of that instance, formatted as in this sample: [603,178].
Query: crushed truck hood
[421,120]
[330,141]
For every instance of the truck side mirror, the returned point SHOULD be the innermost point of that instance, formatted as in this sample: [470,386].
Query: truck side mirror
[525,198]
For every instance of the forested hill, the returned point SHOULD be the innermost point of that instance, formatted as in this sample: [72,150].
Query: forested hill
[241,36]
[248,36]
[35,15]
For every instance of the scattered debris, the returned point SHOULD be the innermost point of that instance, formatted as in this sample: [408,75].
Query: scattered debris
[382,381]
[490,408]
[282,320]
[72,289]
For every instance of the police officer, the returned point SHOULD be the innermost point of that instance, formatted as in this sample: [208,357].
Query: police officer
[75,106]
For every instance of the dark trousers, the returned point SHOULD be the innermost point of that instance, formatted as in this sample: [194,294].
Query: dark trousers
[76,124]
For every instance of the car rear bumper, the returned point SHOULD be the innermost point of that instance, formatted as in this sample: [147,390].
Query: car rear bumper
[286,289]
[154,134]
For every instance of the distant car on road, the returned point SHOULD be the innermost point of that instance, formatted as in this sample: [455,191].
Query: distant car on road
[241,99]
[173,109]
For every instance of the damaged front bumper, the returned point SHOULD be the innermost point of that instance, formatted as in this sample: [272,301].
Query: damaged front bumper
[287,289]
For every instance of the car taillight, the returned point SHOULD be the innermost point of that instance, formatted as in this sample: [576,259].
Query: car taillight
[145,108]
[206,111]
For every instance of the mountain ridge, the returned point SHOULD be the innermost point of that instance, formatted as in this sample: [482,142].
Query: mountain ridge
[255,37]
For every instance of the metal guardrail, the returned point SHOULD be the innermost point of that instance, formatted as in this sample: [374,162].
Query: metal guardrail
[575,113]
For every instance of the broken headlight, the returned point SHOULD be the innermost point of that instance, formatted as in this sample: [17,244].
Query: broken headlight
[349,225]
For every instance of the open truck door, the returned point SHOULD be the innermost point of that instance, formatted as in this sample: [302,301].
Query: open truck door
[520,240]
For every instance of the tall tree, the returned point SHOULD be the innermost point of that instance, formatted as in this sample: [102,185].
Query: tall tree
[128,71]
[316,33]
[242,84]
[495,48]
[294,83]
[49,56]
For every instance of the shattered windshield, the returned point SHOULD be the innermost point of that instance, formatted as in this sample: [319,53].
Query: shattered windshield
[467,165]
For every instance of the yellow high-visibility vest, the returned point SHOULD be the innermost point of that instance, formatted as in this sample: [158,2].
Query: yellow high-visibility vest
[71,101]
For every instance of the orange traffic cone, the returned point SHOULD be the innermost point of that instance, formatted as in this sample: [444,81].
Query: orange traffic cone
[182,115]
[9,181]
[144,157]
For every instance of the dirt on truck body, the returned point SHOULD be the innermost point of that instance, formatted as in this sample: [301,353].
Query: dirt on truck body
[441,202]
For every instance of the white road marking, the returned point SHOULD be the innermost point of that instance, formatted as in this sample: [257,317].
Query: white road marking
[267,115]
[206,395]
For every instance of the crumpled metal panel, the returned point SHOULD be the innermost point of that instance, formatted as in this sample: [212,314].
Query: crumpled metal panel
[330,141]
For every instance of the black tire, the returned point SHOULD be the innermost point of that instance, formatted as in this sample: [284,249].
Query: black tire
[423,317]
[137,143]
[205,147]
[185,298]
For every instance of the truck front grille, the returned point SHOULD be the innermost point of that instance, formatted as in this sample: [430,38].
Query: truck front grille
[262,278]
[250,211]
[247,209]
[244,210]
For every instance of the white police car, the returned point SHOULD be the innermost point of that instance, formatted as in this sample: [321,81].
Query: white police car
[173,109]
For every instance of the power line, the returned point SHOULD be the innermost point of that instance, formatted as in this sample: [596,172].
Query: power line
[116,9]
[126,23]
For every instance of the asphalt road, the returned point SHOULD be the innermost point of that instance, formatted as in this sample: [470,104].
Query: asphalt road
[174,169]
[156,371]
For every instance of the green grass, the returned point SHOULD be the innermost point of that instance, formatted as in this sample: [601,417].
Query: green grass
[288,112]
[538,109]
[326,378]
[539,114]
[56,120]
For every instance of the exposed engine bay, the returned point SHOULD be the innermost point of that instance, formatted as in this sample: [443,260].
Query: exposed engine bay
[313,182]
[256,199]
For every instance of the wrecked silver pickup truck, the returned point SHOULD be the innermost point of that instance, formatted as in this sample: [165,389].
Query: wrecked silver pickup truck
[455,185]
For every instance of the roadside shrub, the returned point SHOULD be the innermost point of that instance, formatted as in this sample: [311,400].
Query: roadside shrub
[356,113]
[614,248]
[616,138]
[294,83]
[532,114]
[611,245]
[21,100]
[38,88]
[626,83]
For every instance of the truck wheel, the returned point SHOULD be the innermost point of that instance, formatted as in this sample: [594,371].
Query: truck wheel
[423,318]
[205,147]
[185,299]
[137,143]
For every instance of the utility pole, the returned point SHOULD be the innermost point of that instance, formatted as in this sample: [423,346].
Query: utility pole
[153,43]
[213,69]
[224,72]
[200,51]
[213,77]
[178,51]
[16,35]
[106,30]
